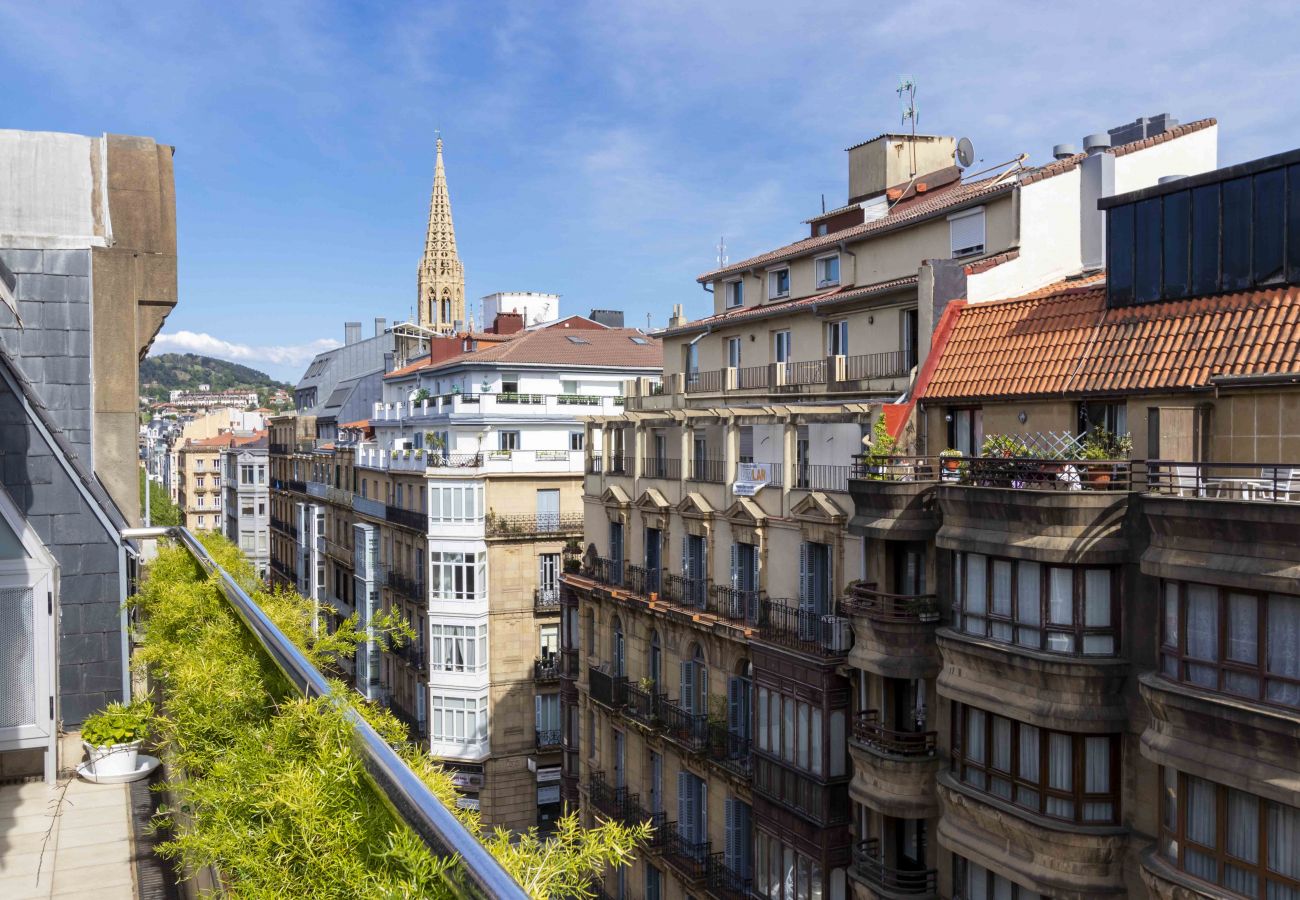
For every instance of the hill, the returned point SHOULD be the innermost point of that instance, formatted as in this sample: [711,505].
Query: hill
[166,372]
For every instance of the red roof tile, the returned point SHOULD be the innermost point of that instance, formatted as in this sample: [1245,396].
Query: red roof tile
[1064,341]
[608,347]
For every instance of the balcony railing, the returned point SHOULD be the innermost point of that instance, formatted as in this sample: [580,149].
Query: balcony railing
[413,654]
[824,804]
[692,592]
[284,527]
[605,570]
[808,477]
[408,587]
[785,623]
[408,518]
[890,881]
[812,371]
[642,580]
[735,604]
[665,467]
[548,739]
[1267,482]
[924,469]
[643,705]
[475,870]
[546,600]
[619,803]
[889,364]
[863,599]
[710,382]
[750,378]
[607,690]
[608,464]
[688,730]
[868,731]
[730,749]
[532,525]
[546,669]
[709,471]
[724,882]
[689,856]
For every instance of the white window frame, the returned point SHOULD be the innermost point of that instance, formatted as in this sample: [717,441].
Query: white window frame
[444,567]
[777,342]
[772,289]
[733,352]
[818,264]
[457,648]
[734,293]
[968,248]
[837,338]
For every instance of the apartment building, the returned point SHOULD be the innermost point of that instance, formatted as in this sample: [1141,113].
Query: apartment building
[198,482]
[87,275]
[456,504]
[246,498]
[707,636]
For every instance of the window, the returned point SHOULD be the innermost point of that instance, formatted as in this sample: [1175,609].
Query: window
[458,576]
[966,430]
[1224,836]
[793,730]
[691,361]
[639,341]
[733,353]
[783,873]
[1074,777]
[575,339]
[781,346]
[458,720]
[837,338]
[577,440]
[653,881]
[966,232]
[1230,641]
[974,882]
[198,481]
[246,541]
[246,508]
[509,384]
[458,648]
[778,283]
[246,474]
[692,808]
[549,641]
[828,270]
[455,503]
[735,292]
[507,441]
[1113,417]
[1058,609]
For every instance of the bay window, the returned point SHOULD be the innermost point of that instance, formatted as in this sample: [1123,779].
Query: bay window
[971,881]
[458,720]
[1073,777]
[458,648]
[781,872]
[1058,609]
[458,576]
[456,503]
[1247,844]
[1244,643]
[793,731]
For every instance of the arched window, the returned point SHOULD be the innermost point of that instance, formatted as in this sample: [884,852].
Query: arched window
[695,682]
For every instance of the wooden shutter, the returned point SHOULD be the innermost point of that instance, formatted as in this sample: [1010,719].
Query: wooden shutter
[733,837]
[734,688]
[805,578]
[735,567]
[688,685]
[685,815]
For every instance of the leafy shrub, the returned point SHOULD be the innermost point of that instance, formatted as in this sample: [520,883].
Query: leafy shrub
[274,796]
[118,723]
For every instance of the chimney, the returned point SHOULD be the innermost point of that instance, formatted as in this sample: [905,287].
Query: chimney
[508,322]
[351,332]
[379,326]
[610,318]
[677,318]
[1096,180]
[887,161]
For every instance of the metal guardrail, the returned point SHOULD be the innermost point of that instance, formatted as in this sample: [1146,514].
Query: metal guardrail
[479,875]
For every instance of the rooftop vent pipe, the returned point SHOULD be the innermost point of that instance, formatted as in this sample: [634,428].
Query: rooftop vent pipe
[1096,143]
[1063,151]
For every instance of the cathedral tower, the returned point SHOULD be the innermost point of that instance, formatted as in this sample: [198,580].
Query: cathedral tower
[442,277]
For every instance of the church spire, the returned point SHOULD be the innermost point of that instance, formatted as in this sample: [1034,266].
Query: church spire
[441,276]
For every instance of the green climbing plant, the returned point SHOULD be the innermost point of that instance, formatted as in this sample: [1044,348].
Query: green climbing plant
[273,795]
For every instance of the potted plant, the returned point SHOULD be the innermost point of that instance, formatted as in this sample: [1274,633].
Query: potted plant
[951,459]
[1104,447]
[717,726]
[112,737]
[881,447]
[572,565]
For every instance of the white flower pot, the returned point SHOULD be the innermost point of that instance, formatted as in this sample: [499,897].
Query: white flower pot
[115,759]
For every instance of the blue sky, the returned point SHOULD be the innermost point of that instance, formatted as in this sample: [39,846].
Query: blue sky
[594,149]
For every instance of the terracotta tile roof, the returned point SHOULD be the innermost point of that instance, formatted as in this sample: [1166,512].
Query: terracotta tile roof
[939,200]
[782,307]
[1063,341]
[359,423]
[609,347]
[421,363]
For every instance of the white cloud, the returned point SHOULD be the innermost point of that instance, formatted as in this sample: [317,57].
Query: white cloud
[282,359]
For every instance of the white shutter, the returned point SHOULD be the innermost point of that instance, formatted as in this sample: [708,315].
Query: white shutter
[735,567]
[805,579]
[967,233]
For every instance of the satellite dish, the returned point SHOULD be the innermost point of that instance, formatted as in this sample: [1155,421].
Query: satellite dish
[965,153]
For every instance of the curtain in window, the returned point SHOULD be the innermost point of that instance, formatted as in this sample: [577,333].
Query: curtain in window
[762,719]
[1202,633]
[1169,640]
[1283,842]
[1060,774]
[974,745]
[1028,613]
[1096,611]
[1002,598]
[803,735]
[1096,778]
[1200,826]
[976,587]
[1001,756]
[1242,842]
[816,732]
[1028,766]
[1060,608]
[1284,648]
[1243,643]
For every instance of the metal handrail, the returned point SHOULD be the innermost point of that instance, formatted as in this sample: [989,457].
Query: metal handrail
[407,797]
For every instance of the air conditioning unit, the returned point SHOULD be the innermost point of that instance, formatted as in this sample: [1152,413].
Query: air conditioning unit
[837,635]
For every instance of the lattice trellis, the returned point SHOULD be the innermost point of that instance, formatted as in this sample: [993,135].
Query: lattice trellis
[1052,444]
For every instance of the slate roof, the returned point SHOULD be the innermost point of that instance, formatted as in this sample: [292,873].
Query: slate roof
[1064,341]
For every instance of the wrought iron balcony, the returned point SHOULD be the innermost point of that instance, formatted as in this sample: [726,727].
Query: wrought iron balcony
[408,587]
[787,624]
[833,479]
[607,690]
[606,571]
[709,471]
[724,882]
[891,881]
[730,750]
[407,518]
[546,600]
[533,525]
[643,705]
[688,856]
[617,803]
[684,591]
[548,739]
[664,467]
[734,603]
[642,580]
[546,669]
[863,599]
[413,654]
[686,729]
[284,527]
[868,731]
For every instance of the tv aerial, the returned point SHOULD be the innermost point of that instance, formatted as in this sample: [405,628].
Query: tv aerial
[965,153]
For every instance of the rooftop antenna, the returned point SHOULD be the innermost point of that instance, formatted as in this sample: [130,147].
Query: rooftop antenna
[823,204]
[722,252]
[907,95]
[647,323]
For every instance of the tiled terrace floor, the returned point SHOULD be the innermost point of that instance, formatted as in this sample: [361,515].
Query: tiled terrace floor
[70,840]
